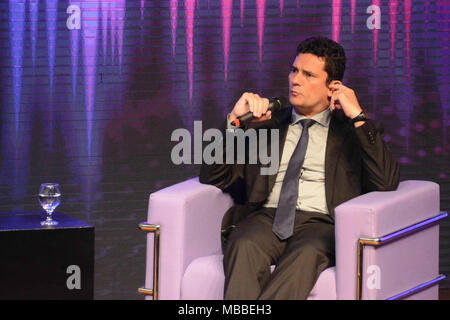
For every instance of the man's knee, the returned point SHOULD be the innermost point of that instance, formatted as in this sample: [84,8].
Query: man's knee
[241,241]
[254,247]
[315,248]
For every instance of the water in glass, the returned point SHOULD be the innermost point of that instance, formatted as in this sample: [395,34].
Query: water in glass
[50,198]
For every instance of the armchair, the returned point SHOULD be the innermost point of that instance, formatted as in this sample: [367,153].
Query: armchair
[387,244]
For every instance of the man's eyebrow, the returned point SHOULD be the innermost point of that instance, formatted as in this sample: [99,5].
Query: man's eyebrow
[308,71]
[304,70]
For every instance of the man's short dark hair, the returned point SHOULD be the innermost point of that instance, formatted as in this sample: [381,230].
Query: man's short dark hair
[332,51]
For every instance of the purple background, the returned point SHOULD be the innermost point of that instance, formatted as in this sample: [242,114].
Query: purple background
[94,108]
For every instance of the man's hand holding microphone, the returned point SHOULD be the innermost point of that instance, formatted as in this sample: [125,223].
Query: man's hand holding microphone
[251,106]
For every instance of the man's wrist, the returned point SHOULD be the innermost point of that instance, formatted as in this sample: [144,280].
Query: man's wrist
[359,124]
[360,118]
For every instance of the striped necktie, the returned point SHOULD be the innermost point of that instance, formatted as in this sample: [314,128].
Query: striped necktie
[283,225]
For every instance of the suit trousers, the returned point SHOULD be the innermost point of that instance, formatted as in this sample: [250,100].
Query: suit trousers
[252,248]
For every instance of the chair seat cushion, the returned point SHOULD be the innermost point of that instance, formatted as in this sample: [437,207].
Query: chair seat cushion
[204,280]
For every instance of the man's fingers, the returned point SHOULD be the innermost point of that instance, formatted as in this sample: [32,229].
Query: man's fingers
[260,106]
[335,101]
[332,102]
[264,117]
[334,86]
[251,104]
[261,110]
[266,105]
[255,104]
[337,86]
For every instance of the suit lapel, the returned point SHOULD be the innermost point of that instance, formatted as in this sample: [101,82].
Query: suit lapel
[282,139]
[335,141]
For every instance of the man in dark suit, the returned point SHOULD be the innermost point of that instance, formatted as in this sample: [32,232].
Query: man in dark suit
[330,153]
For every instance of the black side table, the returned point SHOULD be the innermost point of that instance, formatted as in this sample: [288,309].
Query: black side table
[39,262]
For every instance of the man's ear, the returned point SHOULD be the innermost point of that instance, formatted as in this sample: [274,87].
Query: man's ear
[330,90]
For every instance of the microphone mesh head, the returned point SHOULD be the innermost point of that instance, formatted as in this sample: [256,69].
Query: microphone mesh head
[280,103]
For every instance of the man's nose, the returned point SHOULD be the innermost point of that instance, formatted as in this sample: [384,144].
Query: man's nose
[296,80]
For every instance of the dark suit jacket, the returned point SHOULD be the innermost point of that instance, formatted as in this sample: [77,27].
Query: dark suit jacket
[356,161]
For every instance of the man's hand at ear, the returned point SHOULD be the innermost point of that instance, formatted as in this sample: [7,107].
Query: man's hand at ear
[345,98]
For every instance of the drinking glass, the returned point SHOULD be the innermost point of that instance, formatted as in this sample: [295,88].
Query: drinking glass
[49,197]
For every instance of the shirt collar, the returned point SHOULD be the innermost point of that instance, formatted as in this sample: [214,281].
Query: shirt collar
[323,117]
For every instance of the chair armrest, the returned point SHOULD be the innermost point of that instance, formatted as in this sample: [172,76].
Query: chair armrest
[396,266]
[189,215]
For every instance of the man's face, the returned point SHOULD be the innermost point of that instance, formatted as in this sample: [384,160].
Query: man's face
[308,91]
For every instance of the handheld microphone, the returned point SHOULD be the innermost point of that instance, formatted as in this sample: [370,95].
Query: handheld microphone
[275,104]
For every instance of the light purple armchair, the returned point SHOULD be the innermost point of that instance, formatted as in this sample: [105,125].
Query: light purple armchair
[387,244]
